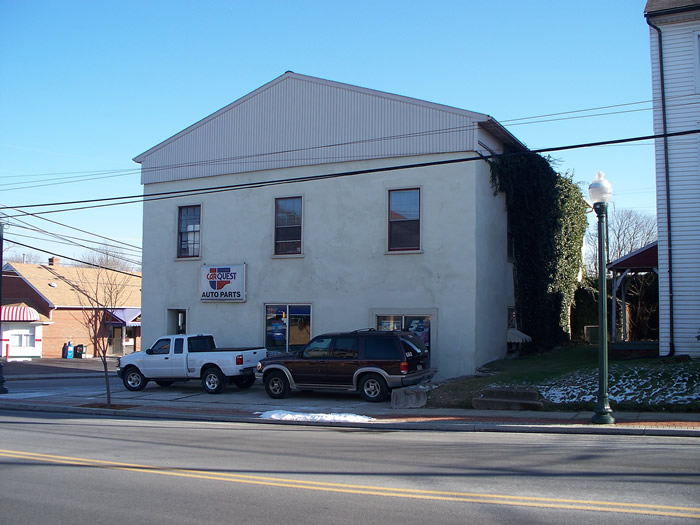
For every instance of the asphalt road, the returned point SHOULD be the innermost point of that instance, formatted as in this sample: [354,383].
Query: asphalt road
[71,469]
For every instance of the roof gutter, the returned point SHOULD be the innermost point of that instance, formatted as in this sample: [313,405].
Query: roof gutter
[664,119]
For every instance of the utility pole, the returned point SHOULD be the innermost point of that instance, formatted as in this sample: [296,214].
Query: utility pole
[2,263]
[3,390]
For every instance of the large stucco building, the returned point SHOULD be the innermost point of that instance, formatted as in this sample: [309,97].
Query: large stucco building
[311,206]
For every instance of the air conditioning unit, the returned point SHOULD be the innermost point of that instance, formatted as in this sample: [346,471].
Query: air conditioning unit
[590,333]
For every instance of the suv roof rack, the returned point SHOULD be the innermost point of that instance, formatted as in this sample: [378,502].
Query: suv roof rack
[364,330]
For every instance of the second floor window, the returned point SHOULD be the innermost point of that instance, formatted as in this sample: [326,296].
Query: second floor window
[404,220]
[288,226]
[188,231]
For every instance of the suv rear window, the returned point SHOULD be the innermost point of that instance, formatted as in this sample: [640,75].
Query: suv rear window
[380,348]
[414,342]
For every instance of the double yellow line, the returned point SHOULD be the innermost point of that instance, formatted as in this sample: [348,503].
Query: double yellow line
[368,490]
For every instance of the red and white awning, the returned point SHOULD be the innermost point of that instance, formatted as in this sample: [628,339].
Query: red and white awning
[18,314]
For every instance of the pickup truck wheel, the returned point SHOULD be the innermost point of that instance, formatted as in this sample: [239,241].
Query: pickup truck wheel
[244,382]
[276,385]
[134,380]
[373,388]
[164,383]
[213,380]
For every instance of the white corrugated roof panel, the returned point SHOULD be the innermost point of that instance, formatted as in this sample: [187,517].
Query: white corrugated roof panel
[297,120]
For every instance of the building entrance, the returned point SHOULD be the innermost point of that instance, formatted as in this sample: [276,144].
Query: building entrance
[287,327]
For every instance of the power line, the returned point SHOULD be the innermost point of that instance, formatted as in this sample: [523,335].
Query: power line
[72,259]
[16,208]
[259,184]
[92,175]
[68,243]
[81,176]
[69,238]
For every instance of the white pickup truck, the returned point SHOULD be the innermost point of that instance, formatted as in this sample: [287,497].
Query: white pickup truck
[184,357]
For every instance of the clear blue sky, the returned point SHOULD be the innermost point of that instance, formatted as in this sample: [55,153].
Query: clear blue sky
[88,85]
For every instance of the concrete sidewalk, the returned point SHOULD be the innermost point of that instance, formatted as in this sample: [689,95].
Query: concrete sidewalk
[188,401]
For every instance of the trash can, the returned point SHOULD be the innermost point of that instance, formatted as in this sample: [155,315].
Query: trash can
[79,351]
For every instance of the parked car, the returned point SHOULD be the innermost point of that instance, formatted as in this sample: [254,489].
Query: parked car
[184,357]
[366,361]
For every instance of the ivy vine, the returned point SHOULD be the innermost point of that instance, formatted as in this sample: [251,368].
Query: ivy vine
[548,221]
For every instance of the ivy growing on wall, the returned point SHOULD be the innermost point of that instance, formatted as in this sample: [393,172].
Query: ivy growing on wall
[548,221]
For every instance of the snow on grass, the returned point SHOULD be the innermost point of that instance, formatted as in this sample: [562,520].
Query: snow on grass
[283,415]
[654,387]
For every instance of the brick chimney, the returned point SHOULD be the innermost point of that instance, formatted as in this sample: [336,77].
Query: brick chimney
[54,261]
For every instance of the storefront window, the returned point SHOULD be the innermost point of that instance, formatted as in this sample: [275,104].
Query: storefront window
[22,338]
[418,324]
[287,327]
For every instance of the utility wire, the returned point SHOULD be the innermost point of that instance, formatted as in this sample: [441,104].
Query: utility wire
[257,157]
[516,121]
[70,238]
[72,259]
[69,227]
[259,184]
[68,243]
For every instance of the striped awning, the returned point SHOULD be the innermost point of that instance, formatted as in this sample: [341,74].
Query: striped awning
[516,336]
[18,314]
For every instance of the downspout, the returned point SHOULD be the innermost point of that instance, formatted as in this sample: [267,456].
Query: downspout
[672,346]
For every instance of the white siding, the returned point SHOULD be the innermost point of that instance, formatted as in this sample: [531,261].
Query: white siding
[681,62]
[301,121]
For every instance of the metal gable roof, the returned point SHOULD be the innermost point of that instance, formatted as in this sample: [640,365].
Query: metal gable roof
[644,258]
[659,7]
[297,120]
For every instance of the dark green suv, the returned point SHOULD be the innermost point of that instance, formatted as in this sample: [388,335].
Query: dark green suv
[364,361]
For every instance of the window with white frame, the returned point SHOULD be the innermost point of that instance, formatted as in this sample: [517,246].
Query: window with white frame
[22,338]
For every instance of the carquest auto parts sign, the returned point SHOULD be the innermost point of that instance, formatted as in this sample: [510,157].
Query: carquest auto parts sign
[222,282]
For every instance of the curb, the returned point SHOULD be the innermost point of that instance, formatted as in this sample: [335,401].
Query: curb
[379,425]
[42,377]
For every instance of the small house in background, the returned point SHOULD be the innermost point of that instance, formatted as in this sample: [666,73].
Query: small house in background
[43,307]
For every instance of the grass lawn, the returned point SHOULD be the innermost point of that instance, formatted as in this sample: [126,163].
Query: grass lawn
[567,379]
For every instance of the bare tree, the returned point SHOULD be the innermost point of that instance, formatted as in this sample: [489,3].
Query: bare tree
[26,258]
[100,291]
[628,230]
[108,256]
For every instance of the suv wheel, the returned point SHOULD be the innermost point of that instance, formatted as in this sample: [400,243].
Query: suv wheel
[276,385]
[373,388]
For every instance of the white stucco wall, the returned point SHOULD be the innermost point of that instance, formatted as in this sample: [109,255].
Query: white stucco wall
[346,274]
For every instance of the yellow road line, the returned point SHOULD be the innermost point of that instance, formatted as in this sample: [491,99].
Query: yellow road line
[465,497]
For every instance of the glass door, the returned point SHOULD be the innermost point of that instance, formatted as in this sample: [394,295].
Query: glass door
[418,324]
[287,327]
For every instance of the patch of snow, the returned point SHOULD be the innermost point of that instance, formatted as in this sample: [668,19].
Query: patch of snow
[283,415]
[625,384]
